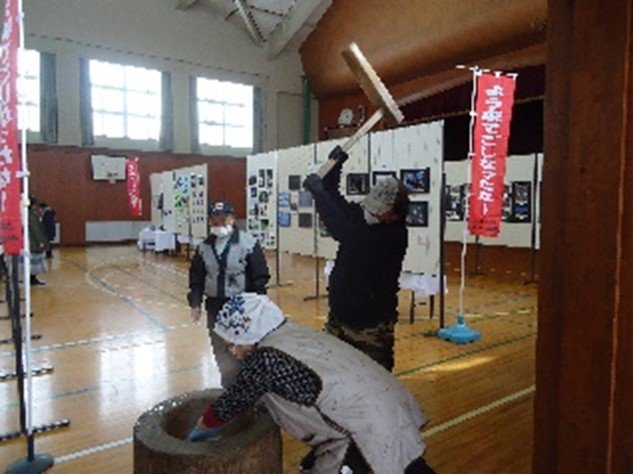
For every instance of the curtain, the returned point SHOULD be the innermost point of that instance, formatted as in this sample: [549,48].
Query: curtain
[167,115]
[258,120]
[85,103]
[193,114]
[48,98]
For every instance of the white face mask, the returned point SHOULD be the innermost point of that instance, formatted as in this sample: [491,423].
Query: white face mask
[370,218]
[222,231]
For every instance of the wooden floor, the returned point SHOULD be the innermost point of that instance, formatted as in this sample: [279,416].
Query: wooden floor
[116,328]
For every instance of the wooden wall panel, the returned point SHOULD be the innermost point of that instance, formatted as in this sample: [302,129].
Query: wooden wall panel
[584,351]
[62,176]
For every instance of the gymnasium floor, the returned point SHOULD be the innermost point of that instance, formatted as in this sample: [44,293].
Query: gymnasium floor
[117,331]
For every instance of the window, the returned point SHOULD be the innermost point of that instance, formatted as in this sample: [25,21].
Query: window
[29,90]
[126,101]
[225,113]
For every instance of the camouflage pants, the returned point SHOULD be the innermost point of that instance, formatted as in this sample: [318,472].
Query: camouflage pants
[376,342]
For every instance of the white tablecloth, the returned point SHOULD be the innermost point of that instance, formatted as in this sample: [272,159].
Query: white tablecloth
[423,285]
[157,240]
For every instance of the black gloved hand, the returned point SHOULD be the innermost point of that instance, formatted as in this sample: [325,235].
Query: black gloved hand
[313,183]
[338,154]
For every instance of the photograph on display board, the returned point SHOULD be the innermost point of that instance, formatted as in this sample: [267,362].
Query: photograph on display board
[253,225]
[284,219]
[263,225]
[521,201]
[269,178]
[252,180]
[293,206]
[357,184]
[305,199]
[417,181]
[294,182]
[454,202]
[263,196]
[378,176]
[253,191]
[263,209]
[305,220]
[418,215]
[507,204]
[261,182]
[284,199]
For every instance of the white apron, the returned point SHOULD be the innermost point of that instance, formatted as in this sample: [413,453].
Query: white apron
[360,401]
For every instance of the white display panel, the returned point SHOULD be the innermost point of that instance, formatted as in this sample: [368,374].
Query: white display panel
[417,151]
[521,202]
[199,189]
[261,198]
[293,166]
[169,215]
[156,190]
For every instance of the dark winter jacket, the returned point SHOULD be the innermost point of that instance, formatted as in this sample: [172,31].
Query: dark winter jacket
[363,286]
[241,267]
[48,221]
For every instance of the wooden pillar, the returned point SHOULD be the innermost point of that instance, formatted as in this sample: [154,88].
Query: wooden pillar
[584,367]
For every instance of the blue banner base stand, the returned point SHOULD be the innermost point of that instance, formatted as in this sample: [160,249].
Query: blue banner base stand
[459,333]
[39,463]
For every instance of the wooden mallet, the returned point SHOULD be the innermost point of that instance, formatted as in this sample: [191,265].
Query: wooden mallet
[377,94]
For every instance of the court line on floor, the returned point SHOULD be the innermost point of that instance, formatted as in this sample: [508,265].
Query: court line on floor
[477,412]
[89,277]
[429,365]
[447,425]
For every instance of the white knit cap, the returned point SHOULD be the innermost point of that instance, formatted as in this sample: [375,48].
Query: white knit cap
[382,197]
[247,318]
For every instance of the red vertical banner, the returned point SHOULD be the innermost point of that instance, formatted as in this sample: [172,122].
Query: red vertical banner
[134,187]
[11,235]
[493,113]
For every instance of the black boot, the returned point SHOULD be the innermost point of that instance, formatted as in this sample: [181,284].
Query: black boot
[36,282]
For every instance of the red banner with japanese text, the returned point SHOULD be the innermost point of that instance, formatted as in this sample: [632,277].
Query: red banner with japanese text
[134,187]
[493,113]
[11,235]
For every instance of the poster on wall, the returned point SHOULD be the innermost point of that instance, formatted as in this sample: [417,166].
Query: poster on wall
[507,204]
[261,198]
[416,180]
[378,176]
[418,215]
[454,202]
[357,184]
[521,201]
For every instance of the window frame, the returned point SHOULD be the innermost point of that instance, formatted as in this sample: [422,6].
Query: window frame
[224,148]
[125,141]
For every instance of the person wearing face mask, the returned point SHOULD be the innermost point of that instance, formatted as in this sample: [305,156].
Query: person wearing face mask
[372,236]
[347,408]
[228,262]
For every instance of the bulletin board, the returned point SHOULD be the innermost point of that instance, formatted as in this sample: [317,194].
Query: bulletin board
[156,204]
[261,198]
[295,211]
[521,208]
[169,211]
[199,189]
[418,152]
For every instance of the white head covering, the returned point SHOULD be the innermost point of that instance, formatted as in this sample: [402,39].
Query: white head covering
[382,197]
[247,318]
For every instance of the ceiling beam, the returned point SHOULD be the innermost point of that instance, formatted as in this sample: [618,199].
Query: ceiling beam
[251,26]
[184,4]
[288,28]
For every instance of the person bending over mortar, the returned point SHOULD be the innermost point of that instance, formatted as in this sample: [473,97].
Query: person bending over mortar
[349,409]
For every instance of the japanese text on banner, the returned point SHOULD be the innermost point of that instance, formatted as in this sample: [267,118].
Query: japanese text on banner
[10,219]
[493,111]
[134,187]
